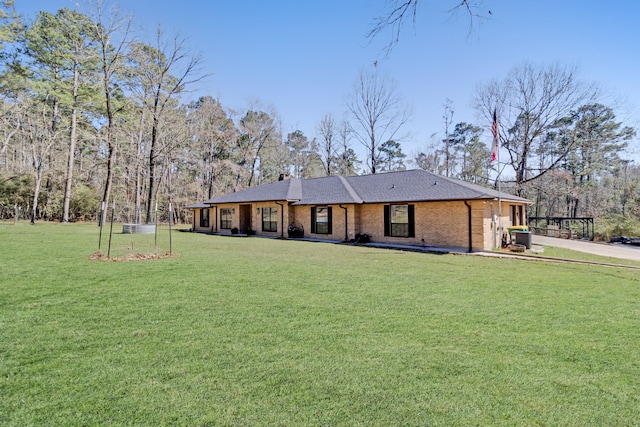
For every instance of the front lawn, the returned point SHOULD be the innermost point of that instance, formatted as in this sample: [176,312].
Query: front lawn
[252,331]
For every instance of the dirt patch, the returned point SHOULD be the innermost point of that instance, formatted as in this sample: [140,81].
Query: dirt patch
[99,256]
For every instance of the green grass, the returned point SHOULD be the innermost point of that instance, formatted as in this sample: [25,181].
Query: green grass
[249,331]
[553,252]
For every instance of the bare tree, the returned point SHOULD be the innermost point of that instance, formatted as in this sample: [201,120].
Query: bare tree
[347,161]
[214,135]
[379,113]
[449,162]
[160,74]
[111,31]
[429,161]
[258,130]
[328,136]
[430,158]
[400,11]
[529,101]
[42,136]
[46,80]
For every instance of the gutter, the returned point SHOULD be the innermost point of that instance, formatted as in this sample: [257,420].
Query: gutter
[466,203]
[346,227]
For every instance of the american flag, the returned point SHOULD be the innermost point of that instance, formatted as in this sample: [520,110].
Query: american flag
[496,136]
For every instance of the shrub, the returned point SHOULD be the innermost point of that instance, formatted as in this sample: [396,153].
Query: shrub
[84,203]
[617,225]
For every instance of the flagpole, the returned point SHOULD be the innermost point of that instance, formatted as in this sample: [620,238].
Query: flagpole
[496,156]
[499,198]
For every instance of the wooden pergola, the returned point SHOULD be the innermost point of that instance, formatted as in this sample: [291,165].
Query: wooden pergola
[561,226]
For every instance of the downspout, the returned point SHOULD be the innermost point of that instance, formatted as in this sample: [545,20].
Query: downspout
[346,227]
[281,219]
[194,220]
[215,218]
[470,229]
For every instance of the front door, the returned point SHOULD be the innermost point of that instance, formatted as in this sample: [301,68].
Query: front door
[245,218]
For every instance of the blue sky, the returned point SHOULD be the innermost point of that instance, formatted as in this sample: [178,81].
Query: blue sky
[302,57]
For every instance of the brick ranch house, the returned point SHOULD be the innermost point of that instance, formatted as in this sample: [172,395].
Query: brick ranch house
[405,208]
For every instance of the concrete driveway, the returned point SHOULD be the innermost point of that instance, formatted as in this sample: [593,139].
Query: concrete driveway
[615,250]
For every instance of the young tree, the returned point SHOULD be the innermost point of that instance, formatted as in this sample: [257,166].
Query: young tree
[378,111]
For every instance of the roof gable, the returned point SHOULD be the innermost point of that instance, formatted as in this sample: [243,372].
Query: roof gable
[331,190]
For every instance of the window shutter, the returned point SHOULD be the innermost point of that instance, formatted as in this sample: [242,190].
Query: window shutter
[387,220]
[329,219]
[313,219]
[412,227]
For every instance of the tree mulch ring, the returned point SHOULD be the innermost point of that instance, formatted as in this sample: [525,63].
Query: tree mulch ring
[99,256]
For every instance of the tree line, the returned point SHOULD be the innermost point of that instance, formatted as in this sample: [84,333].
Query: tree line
[565,149]
[561,146]
[90,113]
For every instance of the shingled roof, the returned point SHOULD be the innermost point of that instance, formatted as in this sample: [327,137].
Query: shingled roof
[289,190]
[405,186]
